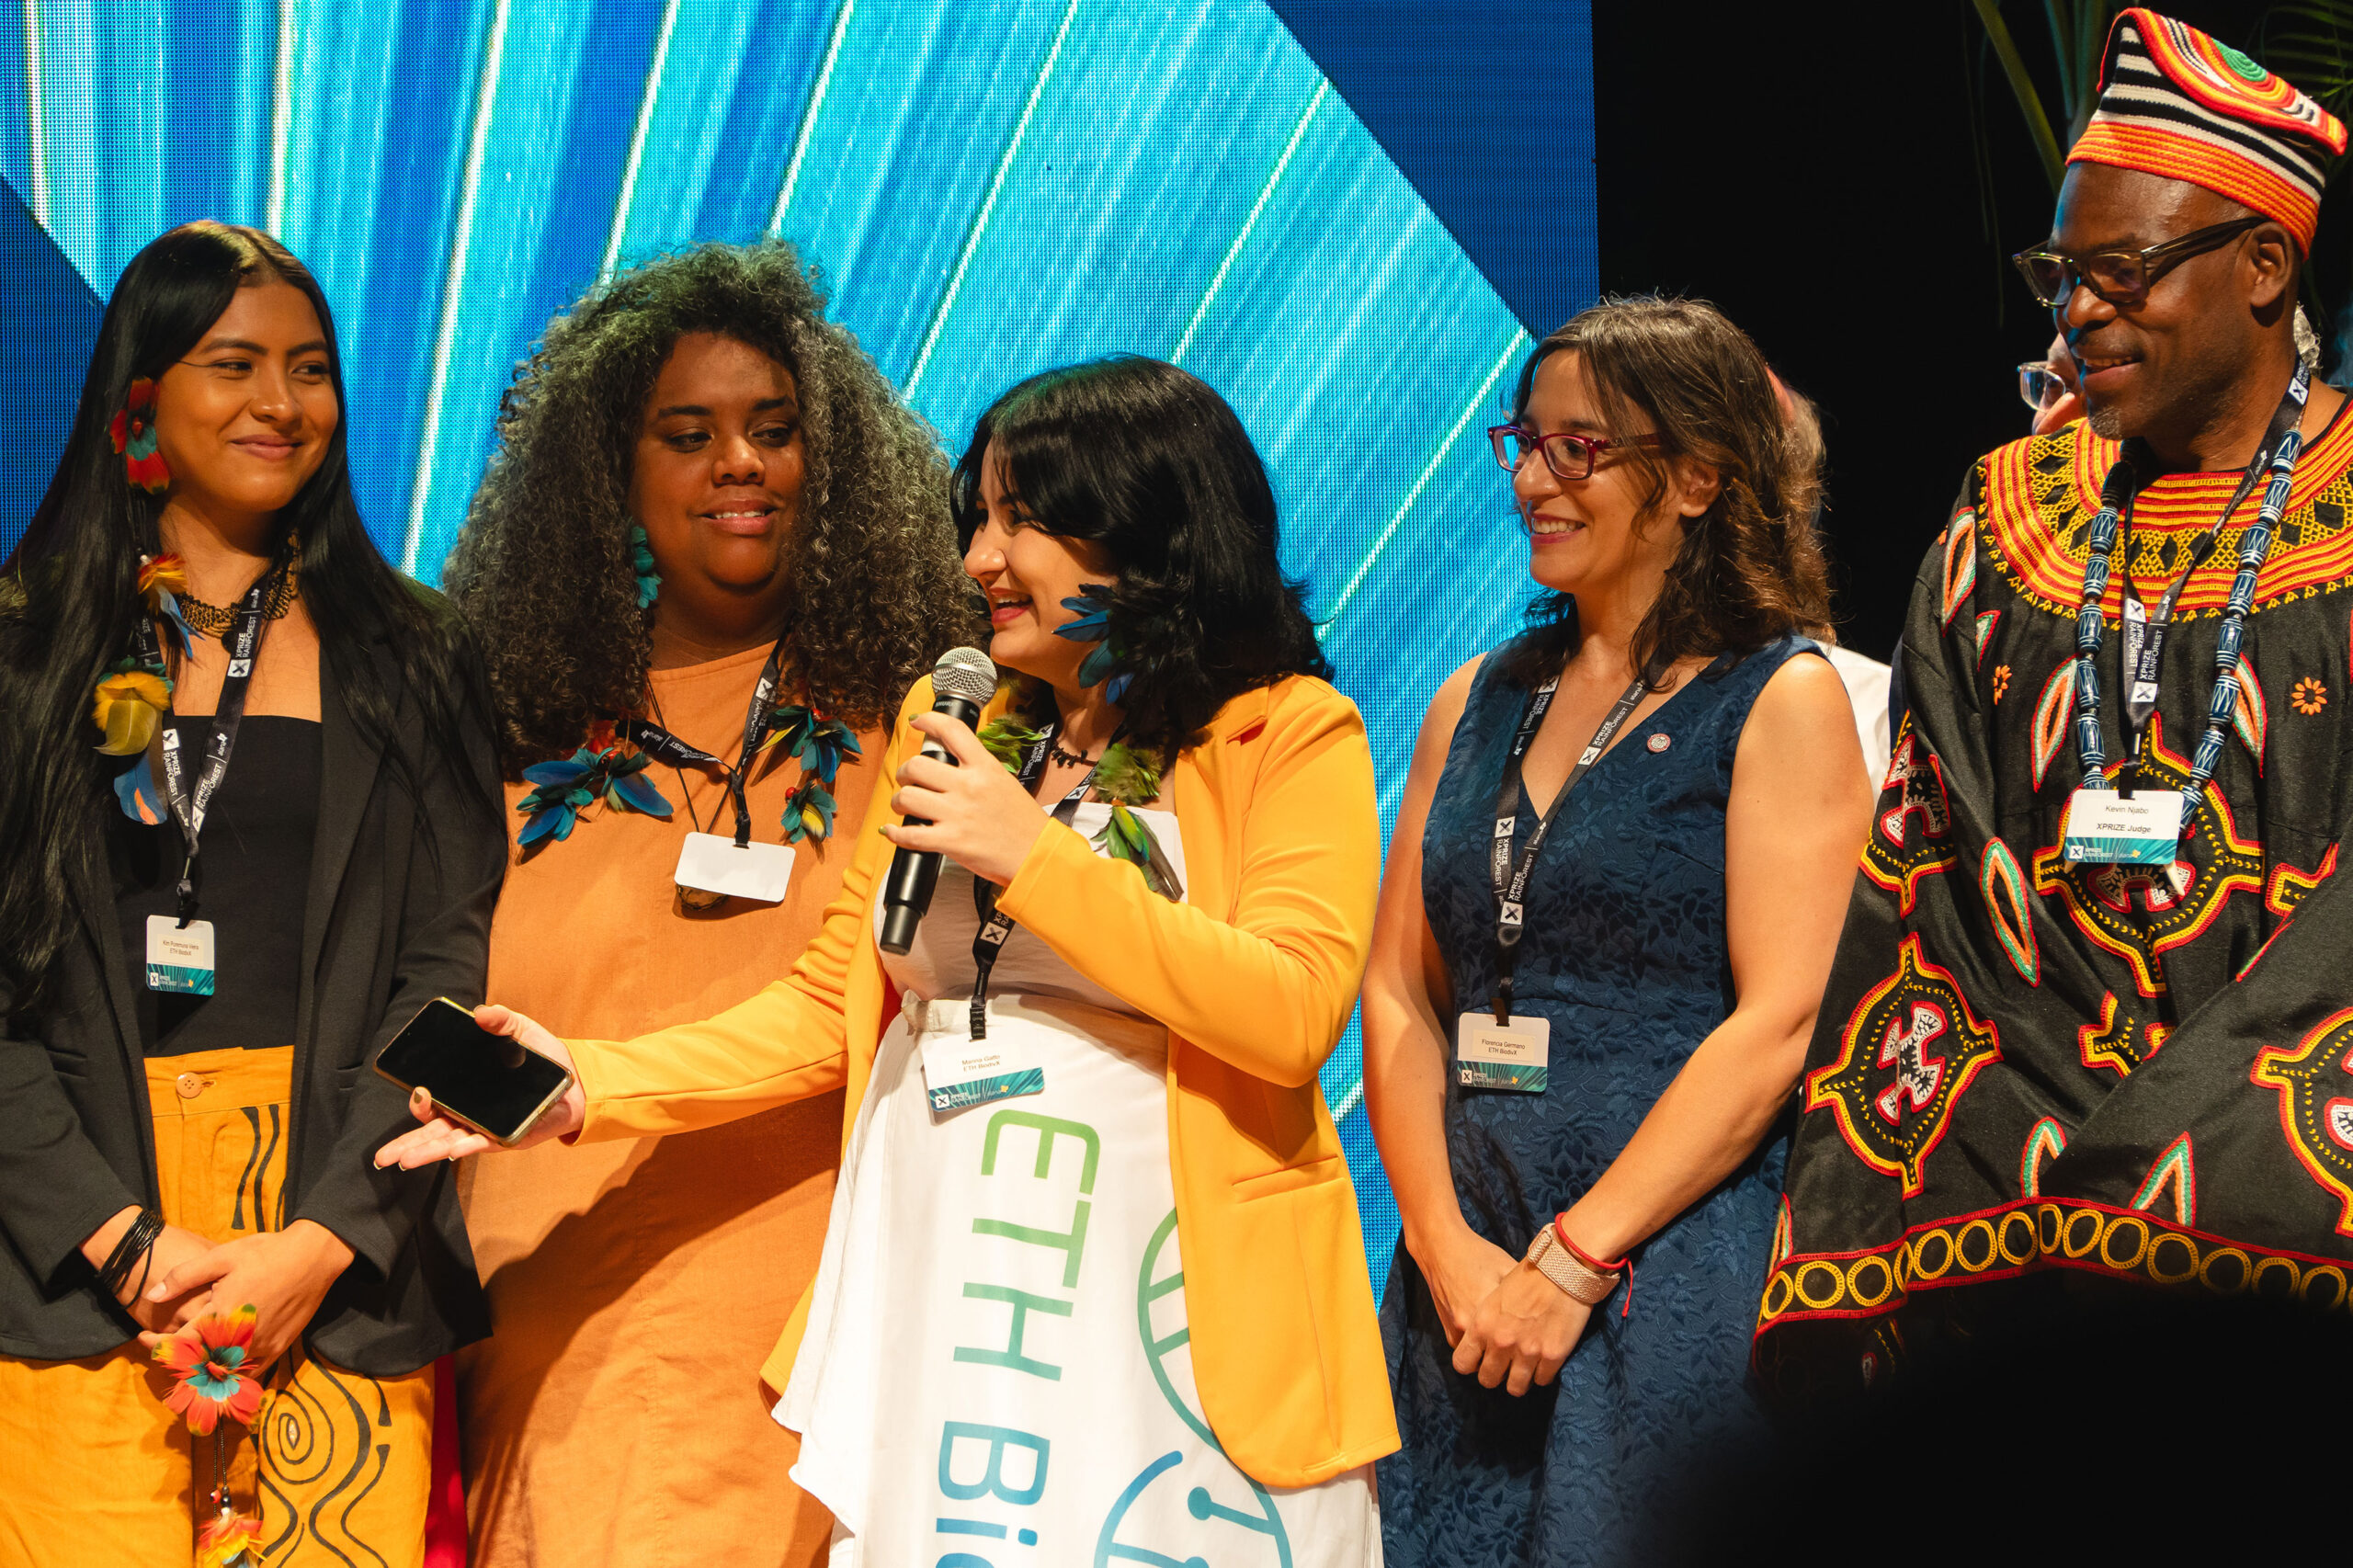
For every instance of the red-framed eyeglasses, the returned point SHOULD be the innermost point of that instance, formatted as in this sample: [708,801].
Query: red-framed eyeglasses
[1568,455]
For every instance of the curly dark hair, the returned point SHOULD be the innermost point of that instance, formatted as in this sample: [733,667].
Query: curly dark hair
[542,566]
[1748,569]
[1153,464]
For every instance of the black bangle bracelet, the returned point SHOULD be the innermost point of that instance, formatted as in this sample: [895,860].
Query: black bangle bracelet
[135,1244]
[145,1233]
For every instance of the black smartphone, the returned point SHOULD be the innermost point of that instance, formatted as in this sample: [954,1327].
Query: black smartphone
[495,1084]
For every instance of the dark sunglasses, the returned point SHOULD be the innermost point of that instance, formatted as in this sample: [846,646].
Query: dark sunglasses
[2121,276]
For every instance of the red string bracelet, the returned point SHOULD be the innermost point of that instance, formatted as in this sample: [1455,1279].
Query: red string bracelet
[1623,1266]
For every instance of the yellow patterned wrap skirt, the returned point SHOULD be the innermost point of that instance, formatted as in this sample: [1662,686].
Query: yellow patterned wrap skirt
[97,1471]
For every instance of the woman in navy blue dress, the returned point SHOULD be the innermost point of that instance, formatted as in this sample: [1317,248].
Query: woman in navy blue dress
[1582,1024]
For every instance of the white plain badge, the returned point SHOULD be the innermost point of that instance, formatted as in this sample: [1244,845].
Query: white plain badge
[711,863]
[1489,1055]
[2107,829]
[961,1073]
[179,958]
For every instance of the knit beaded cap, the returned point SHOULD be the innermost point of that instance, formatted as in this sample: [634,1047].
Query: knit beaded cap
[2175,103]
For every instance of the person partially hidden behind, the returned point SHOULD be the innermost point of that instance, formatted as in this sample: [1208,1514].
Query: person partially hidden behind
[2087,1035]
[2051,387]
[192,997]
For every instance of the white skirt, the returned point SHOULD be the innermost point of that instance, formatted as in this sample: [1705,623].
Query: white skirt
[997,1370]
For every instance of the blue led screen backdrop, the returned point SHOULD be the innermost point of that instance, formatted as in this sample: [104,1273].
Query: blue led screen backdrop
[988,190]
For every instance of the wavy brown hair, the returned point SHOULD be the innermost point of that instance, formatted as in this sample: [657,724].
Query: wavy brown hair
[542,566]
[1749,568]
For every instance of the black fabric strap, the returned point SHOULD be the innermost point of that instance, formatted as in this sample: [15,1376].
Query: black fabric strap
[996,925]
[1510,881]
[187,805]
[663,746]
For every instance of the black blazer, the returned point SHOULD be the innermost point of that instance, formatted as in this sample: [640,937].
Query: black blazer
[388,923]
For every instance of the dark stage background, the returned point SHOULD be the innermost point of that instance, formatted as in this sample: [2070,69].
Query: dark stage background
[1816,171]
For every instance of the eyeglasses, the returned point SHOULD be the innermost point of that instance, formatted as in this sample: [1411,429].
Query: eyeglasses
[2040,385]
[2121,276]
[1568,455]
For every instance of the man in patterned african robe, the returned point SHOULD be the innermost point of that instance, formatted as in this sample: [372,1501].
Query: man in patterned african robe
[2032,1065]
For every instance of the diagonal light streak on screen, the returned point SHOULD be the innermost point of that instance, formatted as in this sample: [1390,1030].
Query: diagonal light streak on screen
[1445,449]
[36,120]
[1209,296]
[988,204]
[637,140]
[281,93]
[809,118]
[485,99]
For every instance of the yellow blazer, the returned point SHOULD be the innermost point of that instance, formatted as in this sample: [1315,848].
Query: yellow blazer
[1254,976]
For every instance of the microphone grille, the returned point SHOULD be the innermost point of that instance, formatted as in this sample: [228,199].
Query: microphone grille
[966,673]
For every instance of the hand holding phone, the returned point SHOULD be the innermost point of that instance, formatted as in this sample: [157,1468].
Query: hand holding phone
[488,1079]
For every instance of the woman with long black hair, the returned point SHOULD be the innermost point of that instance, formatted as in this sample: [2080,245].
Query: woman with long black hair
[247,777]
[1093,1282]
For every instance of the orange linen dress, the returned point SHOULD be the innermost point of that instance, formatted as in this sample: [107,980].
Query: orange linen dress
[617,1413]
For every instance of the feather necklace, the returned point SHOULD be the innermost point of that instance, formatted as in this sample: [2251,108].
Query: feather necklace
[1126,777]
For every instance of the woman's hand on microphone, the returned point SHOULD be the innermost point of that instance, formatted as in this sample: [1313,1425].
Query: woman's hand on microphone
[442,1139]
[977,814]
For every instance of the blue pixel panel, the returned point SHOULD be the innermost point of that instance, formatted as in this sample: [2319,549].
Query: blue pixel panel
[987,190]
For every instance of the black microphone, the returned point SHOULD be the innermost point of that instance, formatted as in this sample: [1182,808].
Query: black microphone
[961,682]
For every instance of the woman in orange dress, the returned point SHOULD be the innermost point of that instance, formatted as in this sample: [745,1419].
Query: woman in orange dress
[707,504]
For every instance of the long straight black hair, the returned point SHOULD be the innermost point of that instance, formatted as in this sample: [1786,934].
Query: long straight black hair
[69,595]
[1149,462]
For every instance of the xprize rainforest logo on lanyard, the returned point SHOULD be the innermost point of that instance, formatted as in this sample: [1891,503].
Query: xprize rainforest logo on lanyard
[1500,1052]
[2111,826]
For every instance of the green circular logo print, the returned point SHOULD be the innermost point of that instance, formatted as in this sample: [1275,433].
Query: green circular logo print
[1225,1533]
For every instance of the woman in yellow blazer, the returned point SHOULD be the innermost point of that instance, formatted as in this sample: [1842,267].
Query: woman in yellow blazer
[1093,1278]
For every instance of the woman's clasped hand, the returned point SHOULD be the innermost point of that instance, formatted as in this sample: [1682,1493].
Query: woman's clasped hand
[282,1275]
[1520,1332]
[442,1139]
[1508,1325]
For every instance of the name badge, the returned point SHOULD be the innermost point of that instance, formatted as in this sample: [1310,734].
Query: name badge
[179,958]
[1513,1056]
[961,1073]
[2105,828]
[710,863]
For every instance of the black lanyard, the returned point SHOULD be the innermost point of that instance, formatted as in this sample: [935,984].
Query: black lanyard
[996,924]
[189,805]
[2144,636]
[1510,881]
[663,746]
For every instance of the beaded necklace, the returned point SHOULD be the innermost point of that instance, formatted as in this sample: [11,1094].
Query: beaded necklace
[2279,453]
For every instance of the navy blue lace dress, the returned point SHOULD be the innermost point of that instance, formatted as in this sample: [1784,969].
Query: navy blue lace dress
[1625,953]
